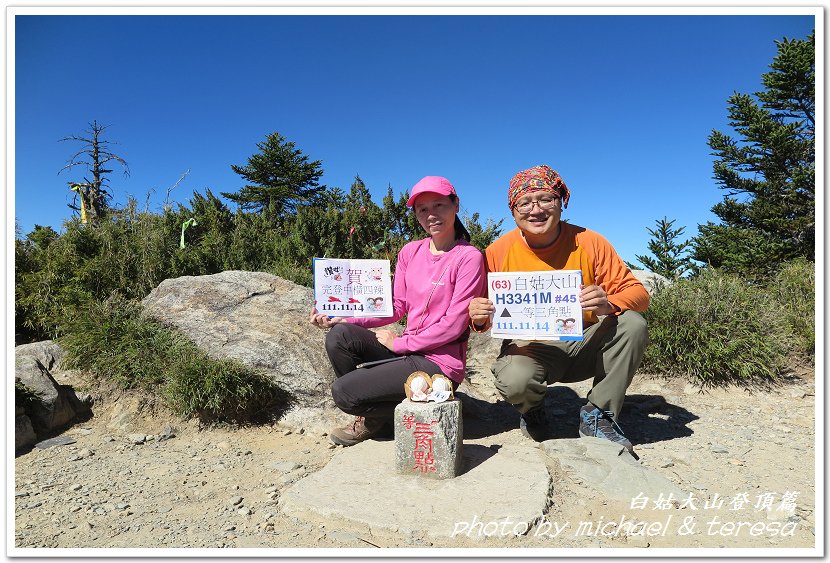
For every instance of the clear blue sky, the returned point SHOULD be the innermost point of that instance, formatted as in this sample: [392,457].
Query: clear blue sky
[620,106]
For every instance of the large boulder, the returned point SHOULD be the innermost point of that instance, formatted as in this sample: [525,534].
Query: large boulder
[37,366]
[482,351]
[256,318]
[651,280]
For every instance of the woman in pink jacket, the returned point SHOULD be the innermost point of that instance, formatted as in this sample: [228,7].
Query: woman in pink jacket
[435,279]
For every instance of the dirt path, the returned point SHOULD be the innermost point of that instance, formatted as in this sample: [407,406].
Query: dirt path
[220,487]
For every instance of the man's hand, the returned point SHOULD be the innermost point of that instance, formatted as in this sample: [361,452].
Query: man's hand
[386,337]
[481,309]
[593,298]
[323,321]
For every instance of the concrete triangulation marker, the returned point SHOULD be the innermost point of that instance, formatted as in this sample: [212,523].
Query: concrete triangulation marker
[601,466]
[361,488]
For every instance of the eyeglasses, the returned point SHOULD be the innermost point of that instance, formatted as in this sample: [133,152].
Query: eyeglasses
[544,203]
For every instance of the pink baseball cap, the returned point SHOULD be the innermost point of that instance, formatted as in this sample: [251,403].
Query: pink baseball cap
[431,184]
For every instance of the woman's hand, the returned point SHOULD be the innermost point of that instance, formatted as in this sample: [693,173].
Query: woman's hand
[323,321]
[387,338]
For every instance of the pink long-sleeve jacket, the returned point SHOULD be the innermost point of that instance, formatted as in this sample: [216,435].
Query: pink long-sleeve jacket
[434,291]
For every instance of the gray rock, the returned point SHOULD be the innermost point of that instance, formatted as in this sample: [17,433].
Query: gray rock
[24,433]
[651,280]
[289,478]
[285,466]
[47,352]
[315,419]
[35,365]
[482,351]
[262,321]
[56,441]
[167,432]
[607,468]
[428,439]
[81,454]
[347,491]
[136,438]
[254,317]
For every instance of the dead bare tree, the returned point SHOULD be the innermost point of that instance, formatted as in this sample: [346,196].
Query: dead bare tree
[95,154]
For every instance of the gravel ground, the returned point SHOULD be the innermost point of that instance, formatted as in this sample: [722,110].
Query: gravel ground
[167,483]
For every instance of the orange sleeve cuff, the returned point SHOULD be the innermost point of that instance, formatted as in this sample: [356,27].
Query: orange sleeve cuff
[617,309]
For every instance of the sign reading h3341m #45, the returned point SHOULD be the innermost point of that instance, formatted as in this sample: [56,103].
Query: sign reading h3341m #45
[536,305]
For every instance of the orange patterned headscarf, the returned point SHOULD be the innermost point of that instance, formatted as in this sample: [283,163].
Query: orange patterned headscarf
[537,179]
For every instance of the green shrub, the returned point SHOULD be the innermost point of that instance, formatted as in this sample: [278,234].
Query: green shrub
[297,273]
[220,389]
[131,250]
[794,287]
[128,252]
[112,340]
[716,329]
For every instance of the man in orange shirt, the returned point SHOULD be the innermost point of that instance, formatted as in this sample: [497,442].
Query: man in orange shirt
[614,335]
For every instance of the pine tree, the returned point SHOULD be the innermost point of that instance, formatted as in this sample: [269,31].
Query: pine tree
[768,213]
[481,236]
[280,178]
[362,227]
[670,258]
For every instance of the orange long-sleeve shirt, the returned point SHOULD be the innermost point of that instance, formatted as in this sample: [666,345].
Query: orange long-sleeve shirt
[576,248]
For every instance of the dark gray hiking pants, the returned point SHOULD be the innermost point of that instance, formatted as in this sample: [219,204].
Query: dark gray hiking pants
[610,353]
[373,392]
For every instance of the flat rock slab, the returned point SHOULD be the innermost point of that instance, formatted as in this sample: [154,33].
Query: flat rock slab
[56,441]
[607,468]
[360,488]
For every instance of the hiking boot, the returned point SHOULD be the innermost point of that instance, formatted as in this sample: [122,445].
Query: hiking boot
[360,429]
[534,424]
[593,421]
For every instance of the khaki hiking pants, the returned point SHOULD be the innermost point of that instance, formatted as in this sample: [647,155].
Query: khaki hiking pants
[610,353]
